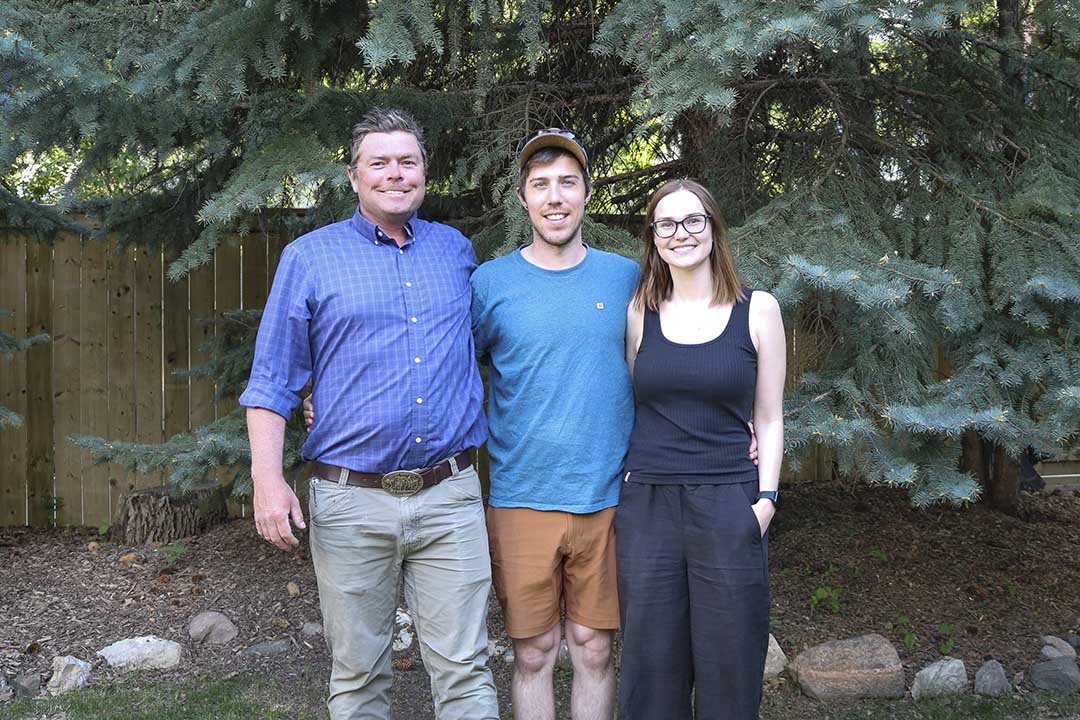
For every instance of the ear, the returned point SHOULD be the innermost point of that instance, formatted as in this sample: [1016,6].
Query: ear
[521,199]
[353,180]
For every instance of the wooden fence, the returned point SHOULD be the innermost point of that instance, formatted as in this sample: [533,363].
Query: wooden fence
[118,328]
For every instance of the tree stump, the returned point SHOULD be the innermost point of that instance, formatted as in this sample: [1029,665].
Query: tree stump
[157,515]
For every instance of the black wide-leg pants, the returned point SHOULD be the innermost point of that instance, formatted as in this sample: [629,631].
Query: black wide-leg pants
[693,576]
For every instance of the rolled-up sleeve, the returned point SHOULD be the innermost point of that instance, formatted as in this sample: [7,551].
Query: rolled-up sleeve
[282,364]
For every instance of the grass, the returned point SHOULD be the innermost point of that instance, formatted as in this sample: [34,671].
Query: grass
[245,697]
[1035,706]
[257,697]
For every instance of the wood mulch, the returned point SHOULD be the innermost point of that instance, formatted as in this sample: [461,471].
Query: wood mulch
[997,583]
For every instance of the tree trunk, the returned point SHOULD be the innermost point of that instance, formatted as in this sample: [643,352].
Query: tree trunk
[155,515]
[1004,490]
[997,473]
[973,457]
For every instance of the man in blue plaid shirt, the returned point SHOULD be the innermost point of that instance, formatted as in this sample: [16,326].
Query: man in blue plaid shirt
[374,311]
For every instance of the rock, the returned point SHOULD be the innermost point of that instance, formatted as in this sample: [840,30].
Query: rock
[212,627]
[293,589]
[311,629]
[508,656]
[142,653]
[776,660]
[1059,675]
[564,656]
[68,673]
[1074,641]
[947,676]
[864,666]
[991,680]
[6,691]
[403,639]
[1056,647]
[270,647]
[27,685]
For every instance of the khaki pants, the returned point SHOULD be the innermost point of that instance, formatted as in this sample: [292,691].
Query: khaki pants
[363,542]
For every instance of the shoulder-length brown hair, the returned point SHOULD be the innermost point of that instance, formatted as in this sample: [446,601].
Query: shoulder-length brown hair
[654,284]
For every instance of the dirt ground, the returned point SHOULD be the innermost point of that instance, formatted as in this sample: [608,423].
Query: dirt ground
[973,584]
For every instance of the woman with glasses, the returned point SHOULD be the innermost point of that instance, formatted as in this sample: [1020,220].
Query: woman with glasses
[706,355]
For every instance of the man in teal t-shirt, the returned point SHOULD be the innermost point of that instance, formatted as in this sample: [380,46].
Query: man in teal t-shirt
[550,320]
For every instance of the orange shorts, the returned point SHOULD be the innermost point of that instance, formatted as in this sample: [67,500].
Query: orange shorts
[538,557]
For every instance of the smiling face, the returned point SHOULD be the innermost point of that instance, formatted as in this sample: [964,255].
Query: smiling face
[388,177]
[682,250]
[555,194]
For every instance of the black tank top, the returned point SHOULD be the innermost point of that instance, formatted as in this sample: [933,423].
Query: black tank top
[693,406]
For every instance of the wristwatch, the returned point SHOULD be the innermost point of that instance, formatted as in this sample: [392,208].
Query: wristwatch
[770,495]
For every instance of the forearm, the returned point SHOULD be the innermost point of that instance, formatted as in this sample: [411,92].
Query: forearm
[266,435]
[770,438]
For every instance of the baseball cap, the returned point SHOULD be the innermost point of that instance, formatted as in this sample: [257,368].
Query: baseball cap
[554,137]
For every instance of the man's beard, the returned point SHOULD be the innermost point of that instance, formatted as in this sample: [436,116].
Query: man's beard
[558,241]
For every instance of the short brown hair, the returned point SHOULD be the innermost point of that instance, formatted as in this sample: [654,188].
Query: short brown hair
[654,284]
[546,156]
[385,120]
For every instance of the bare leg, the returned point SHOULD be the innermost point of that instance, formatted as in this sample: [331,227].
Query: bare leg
[532,692]
[593,694]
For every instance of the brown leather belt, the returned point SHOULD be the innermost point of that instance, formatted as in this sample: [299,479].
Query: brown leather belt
[400,483]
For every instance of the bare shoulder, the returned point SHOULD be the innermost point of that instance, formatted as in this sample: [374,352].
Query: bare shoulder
[763,304]
[765,319]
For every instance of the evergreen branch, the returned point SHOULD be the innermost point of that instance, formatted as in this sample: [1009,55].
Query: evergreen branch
[1010,53]
[640,172]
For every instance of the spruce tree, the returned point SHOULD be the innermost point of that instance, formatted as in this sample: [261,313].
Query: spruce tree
[904,176]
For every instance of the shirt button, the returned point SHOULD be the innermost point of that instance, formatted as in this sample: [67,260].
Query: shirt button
[417,439]
[412,319]
[419,401]
[416,360]
[400,251]
[408,284]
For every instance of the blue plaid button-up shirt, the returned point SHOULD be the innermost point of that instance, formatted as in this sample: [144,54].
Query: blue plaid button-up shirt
[384,334]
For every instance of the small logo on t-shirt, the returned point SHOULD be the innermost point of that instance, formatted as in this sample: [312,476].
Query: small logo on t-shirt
[600,306]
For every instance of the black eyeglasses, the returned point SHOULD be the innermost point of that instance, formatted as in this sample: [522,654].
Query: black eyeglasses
[692,224]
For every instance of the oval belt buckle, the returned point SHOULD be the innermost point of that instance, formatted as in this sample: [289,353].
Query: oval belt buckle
[402,483]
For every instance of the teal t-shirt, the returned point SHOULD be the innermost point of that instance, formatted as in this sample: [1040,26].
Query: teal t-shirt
[560,402]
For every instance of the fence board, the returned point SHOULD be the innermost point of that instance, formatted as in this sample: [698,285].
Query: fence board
[227,297]
[148,378]
[201,330]
[121,364]
[13,381]
[275,243]
[254,285]
[94,377]
[66,379]
[175,357]
[40,509]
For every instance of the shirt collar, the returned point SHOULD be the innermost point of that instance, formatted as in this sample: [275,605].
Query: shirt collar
[373,233]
